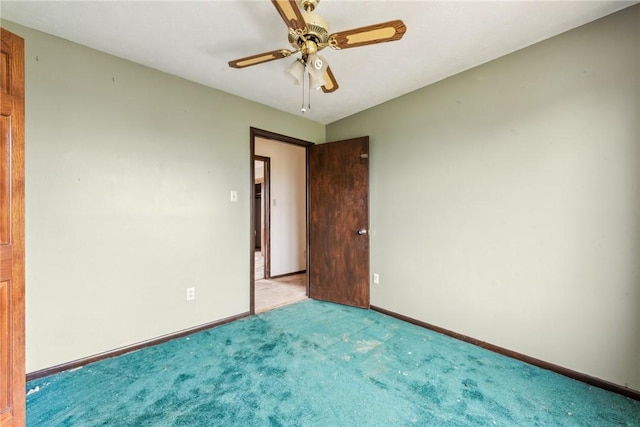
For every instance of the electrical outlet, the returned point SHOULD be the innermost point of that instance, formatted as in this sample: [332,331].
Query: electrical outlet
[191,294]
[376,278]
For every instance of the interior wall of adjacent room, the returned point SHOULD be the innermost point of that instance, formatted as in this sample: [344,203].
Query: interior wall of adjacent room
[258,175]
[288,188]
[128,179]
[505,201]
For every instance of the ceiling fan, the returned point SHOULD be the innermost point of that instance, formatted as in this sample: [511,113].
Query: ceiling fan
[309,34]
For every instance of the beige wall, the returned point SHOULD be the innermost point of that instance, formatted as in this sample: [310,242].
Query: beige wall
[505,201]
[288,205]
[128,180]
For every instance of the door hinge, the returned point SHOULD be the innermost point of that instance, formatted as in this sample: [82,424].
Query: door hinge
[364,156]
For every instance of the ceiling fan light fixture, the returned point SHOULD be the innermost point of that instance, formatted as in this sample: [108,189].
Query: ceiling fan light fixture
[316,83]
[296,71]
[316,66]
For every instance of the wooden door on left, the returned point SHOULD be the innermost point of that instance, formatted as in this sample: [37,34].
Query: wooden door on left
[12,341]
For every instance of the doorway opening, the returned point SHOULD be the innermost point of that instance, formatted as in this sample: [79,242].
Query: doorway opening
[279,237]
[261,217]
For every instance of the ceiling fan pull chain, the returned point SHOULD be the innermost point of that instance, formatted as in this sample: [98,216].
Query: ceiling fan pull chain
[309,93]
[303,109]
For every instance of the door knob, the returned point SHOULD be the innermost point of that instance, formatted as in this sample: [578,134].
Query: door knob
[362,231]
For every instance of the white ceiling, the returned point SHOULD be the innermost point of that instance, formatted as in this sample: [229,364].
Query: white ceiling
[196,39]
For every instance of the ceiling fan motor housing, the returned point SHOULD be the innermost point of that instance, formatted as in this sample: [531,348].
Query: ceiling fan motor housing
[317,32]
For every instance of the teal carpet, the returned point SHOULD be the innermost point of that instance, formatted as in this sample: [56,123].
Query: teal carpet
[319,364]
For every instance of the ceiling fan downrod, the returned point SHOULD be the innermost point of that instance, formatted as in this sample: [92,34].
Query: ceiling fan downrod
[309,5]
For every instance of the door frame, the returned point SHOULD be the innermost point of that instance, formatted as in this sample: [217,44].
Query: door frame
[266,210]
[265,134]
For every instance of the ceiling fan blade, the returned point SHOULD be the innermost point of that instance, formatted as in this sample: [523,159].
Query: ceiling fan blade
[259,58]
[371,34]
[290,13]
[330,85]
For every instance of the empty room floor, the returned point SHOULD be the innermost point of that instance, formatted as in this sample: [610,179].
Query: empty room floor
[319,364]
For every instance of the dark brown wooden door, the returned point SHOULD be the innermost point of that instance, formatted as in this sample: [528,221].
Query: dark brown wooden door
[12,371]
[339,222]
